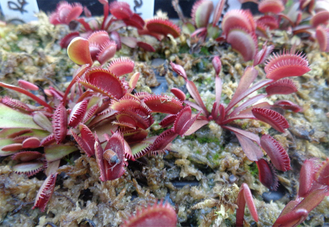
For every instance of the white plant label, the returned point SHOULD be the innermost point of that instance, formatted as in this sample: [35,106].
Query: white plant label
[19,10]
[145,8]
[233,4]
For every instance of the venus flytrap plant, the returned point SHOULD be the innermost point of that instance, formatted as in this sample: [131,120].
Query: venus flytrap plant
[322,37]
[307,18]
[65,13]
[241,106]
[38,148]
[98,47]
[121,16]
[262,111]
[198,26]
[241,29]
[271,6]
[111,159]
[238,27]
[161,214]
[110,122]
[314,186]
[245,198]
[97,100]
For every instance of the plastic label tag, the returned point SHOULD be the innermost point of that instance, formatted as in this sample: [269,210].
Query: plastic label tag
[233,4]
[19,11]
[145,8]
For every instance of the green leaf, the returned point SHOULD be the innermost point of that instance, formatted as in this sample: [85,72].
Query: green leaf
[188,28]
[10,118]
[213,32]
[4,142]
[8,131]
[93,100]
[139,147]
[39,133]
[58,151]
[138,150]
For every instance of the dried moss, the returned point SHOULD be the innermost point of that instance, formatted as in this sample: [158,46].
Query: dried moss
[199,176]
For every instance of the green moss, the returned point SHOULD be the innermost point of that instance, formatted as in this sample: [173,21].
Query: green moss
[207,140]
[191,137]
[184,49]
[254,169]
[201,65]
[203,140]
[204,50]
[216,157]
[244,125]
[155,132]
[69,160]
[14,47]
[228,222]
